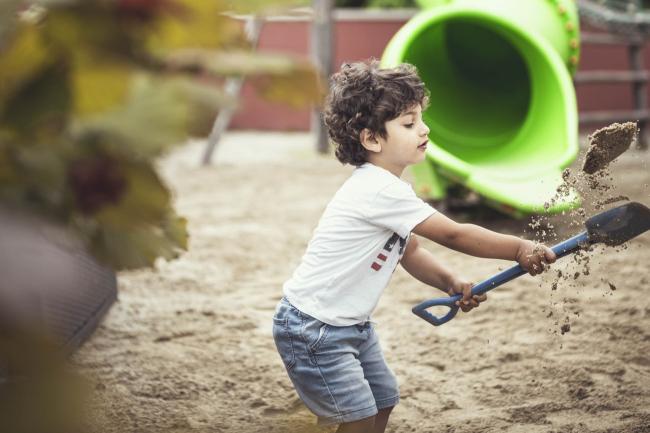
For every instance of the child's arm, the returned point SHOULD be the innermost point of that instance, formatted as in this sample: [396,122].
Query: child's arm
[420,263]
[480,242]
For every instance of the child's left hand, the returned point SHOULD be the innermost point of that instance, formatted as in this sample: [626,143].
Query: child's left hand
[462,287]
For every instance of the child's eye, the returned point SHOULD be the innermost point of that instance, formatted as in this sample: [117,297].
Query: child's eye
[409,125]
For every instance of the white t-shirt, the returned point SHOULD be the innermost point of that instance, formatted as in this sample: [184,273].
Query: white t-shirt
[356,247]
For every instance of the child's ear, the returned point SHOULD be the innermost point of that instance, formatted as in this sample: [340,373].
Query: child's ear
[369,141]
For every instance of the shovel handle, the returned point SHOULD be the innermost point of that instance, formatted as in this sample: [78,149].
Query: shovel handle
[562,249]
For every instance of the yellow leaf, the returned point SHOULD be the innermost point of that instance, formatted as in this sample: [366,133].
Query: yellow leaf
[265,7]
[40,108]
[231,62]
[88,26]
[278,78]
[136,247]
[199,24]
[175,228]
[157,115]
[145,201]
[298,88]
[24,55]
[99,85]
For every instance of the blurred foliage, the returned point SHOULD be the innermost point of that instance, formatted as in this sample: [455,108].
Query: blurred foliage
[376,3]
[39,393]
[392,3]
[93,91]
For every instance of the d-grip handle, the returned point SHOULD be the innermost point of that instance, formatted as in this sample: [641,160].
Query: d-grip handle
[562,249]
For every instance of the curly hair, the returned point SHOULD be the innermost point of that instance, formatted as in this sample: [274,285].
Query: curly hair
[364,96]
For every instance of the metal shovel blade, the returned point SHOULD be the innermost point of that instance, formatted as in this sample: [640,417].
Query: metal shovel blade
[618,225]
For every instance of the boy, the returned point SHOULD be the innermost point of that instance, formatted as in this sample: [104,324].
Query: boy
[322,326]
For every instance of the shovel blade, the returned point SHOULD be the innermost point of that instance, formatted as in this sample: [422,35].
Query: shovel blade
[618,225]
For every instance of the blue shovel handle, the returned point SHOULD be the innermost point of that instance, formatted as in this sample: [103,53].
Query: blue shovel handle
[562,249]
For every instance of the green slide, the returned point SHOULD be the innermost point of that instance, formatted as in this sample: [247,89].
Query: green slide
[503,114]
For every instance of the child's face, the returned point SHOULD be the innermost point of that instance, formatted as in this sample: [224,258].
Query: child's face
[406,141]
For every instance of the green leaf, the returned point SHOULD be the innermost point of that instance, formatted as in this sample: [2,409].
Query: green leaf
[297,88]
[22,56]
[146,200]
[175,228]
[99,85]
[99,51]
[157,115]
[41,175]
[137,247]
[40,108]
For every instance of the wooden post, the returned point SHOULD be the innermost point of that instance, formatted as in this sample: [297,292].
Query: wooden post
[639,89]
[232,87]
[321,49]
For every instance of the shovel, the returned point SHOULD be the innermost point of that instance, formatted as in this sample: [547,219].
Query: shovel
[612,227]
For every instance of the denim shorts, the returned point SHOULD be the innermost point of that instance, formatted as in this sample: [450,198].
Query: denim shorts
[339,371]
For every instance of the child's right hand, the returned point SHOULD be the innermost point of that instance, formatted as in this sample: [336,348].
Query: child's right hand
[534,257]
[459,286]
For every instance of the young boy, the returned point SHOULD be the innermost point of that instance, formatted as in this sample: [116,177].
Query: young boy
[322,326]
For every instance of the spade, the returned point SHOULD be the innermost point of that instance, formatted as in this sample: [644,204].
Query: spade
[611,227]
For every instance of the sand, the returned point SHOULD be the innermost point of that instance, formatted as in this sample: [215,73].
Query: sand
[606,144]
[597,186]
[188,348]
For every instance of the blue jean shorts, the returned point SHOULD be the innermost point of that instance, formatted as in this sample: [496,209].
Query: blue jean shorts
[339,371]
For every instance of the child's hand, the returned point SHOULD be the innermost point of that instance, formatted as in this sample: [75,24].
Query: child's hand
[458,286]
[534,257]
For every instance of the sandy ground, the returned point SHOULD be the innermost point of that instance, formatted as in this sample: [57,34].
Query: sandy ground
[188,347]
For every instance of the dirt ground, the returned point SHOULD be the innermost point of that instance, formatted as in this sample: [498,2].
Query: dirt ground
[188,347]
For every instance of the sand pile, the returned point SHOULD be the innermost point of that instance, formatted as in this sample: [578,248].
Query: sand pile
[606,144]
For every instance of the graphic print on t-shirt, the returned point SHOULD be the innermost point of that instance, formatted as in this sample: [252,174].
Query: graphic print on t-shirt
[388,247]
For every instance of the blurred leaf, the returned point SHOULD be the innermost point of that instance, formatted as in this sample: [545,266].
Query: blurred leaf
[232,62]
[23,56]
[392,4]
[95,181]
[278,78]
[7,166]
[38,391]
[99,86]
[41,106]
[88,27]
[85,124]
[138,229]
[140,246]
[265,7]
[101,54]
[145,201]
[157,115]
[298,88]
[41,175]
[8,18]
[200,24]
[176,230]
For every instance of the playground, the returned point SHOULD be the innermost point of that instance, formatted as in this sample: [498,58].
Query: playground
[162,175]
[188,345]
